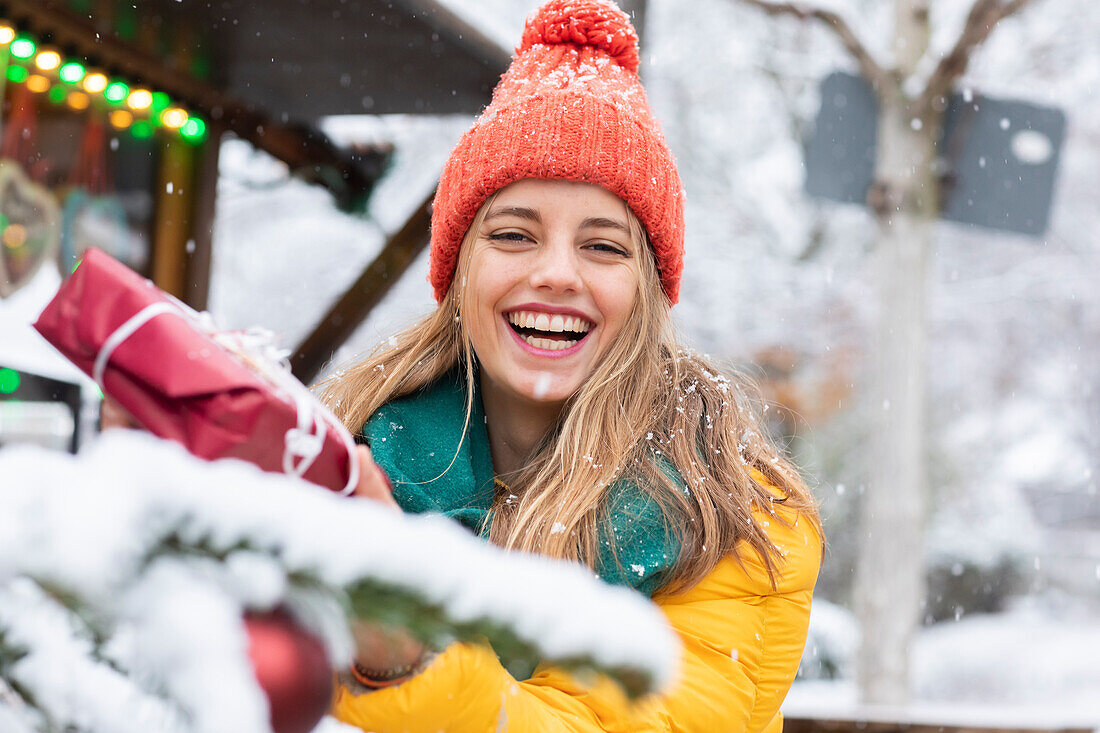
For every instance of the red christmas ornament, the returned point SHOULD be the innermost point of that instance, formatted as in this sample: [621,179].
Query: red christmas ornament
[292,669]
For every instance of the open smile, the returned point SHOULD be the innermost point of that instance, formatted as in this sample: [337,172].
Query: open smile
[549,334]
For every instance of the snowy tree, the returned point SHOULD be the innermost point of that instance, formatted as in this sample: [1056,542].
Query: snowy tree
[905,197]
[125,574]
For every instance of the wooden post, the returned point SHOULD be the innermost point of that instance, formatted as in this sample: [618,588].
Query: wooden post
[365,293]
[172,213]
[200,252]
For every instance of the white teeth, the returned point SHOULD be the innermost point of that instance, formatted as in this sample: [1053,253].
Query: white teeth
[548,344]
[556,323]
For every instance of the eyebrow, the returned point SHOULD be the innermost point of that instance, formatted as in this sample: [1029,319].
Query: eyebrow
[522,212]
[600,222]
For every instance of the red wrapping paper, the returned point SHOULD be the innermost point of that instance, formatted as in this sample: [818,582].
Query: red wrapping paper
[178,381]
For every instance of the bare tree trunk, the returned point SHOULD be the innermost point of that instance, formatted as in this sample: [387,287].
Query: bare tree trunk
[905,200]
[890,573]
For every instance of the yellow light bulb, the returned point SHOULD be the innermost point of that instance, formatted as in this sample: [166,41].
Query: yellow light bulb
[7,35]
[47,60]
[78,100]
[38,83]
[95,83]
[174,117]
[140,99]
[120,118]
[15,236]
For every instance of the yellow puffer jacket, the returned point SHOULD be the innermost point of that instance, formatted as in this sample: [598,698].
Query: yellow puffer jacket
[742,642]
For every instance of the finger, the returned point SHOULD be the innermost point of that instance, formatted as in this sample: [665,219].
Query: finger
[373,483]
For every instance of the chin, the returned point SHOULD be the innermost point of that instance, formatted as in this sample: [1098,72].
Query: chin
[536,389]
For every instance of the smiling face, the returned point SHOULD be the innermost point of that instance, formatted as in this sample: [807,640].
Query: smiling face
[552,277]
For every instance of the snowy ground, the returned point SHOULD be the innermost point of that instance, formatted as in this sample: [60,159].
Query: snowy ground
[1036,664]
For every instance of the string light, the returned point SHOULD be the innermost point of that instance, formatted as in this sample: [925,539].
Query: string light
[22,48]
[78,100]
[37,83]
[47,60]
[115,92]
[139,99]
[174,117]
[120,118]
[71,72]
[142,130]
[193,130]
[68,81]
[95,83]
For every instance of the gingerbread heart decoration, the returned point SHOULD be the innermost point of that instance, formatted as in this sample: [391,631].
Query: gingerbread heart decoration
[30,227]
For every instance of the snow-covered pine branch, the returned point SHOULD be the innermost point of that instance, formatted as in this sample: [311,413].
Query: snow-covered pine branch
[144,558]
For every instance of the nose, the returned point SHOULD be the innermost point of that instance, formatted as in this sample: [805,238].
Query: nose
[555,268]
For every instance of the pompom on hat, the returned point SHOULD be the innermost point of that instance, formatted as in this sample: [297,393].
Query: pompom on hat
[570,107]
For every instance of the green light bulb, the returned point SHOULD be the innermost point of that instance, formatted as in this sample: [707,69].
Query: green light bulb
[23,48]
[17,74]
[116,92]
[142,129]
[194,129]
[58,94]
[9,380]
[71,72]
[161,102]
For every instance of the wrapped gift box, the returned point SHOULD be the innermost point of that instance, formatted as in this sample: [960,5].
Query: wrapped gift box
[220,394]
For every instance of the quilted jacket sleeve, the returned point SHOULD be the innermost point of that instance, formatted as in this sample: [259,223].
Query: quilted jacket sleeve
[742,642]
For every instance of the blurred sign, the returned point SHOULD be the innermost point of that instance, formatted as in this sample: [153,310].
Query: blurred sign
[1000,156]
[38,409]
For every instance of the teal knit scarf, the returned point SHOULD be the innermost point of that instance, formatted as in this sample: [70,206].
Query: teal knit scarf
[414,439]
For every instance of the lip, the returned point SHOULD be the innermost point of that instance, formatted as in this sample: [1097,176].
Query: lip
[546,353]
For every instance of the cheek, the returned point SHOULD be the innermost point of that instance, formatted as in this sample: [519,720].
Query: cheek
[486,284]
[616,300]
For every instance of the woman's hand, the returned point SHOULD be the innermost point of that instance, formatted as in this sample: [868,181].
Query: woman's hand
[373,483]
[385,651]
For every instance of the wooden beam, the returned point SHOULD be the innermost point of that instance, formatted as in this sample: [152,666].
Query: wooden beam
[366,292]
[895,723]
[447,22]
[302,147]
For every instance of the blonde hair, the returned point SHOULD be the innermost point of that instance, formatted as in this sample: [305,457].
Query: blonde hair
[646,402]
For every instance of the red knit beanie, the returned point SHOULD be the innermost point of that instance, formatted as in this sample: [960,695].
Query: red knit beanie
[570,107]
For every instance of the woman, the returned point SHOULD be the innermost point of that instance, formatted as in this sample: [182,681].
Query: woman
[547,406]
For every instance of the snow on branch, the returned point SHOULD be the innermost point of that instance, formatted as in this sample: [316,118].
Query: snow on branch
[868,66]
[148,548]
[984,15]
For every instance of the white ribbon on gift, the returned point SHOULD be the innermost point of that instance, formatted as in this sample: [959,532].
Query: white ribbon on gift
[302,443]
